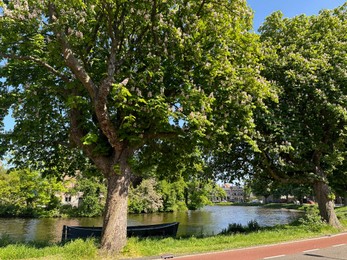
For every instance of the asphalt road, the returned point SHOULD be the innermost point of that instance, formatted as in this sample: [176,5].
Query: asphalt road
[329,247]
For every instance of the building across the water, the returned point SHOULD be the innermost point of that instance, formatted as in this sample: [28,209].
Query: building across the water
[234,193]
[237,194]
[68,198]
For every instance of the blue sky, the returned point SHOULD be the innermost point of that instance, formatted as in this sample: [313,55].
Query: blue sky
[8,122]
[289,8]
[263,8]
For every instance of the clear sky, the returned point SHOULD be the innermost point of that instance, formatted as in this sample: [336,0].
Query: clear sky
[9,123]
[290,8]
[263,8]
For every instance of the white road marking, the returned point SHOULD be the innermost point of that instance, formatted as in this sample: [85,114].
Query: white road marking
[271,257]
[338,245]
[311,250]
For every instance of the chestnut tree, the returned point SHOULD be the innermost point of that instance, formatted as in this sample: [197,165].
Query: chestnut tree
[107,79]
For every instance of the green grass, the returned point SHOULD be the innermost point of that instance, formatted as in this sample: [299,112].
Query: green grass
[286,206]
[79,249]
[269,205]
[224,203]
[341,211]
[154,247]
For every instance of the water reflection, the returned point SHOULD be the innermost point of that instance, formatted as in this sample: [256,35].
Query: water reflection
[212,219]
[41,229]
[208,221]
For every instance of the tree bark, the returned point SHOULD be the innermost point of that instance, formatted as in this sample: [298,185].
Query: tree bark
[326,204]
[114,234]
[323,194]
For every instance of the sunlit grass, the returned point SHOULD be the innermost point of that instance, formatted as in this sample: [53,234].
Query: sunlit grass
[154,247]
[77,249]
[150,247]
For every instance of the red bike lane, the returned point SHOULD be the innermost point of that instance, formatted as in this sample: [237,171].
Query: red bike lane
[276,250]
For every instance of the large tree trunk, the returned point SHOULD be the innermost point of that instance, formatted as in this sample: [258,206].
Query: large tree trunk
[326,204]
[114,235]
[323,194]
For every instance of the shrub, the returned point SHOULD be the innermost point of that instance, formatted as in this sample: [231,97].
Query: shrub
[253,226]
[312,220]
[235,228]
[5,240]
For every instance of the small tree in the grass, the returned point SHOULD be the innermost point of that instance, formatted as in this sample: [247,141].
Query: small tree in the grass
[113,78]
[304,134]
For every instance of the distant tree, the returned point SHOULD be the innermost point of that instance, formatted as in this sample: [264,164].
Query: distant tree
[217,192]
[152,195]
[267,186]
[27,190]
[262,186]
[338,181]
[173,195]
[298,191]
[93,190]
[145,198]
[247,190]
[198,194]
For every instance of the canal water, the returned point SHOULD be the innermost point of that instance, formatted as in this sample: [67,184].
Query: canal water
[208,221]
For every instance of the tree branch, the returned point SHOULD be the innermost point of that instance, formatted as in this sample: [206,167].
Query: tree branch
[76,136]
[160,135]
[271,169]
[71,61]
[200,7]
[101,108]
[39,62]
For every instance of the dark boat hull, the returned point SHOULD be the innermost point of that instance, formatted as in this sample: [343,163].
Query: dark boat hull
[159,230]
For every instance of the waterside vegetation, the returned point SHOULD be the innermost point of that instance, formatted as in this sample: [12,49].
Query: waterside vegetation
[26,193]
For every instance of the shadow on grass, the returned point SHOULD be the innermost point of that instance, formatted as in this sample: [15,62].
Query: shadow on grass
[6,240]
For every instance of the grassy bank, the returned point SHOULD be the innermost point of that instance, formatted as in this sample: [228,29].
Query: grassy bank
[137,248]
[79,249]
[270,205]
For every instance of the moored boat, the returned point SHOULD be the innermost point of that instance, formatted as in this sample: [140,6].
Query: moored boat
[157,230]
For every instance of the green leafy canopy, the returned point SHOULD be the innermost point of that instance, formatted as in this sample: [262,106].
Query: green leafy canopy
[159,69]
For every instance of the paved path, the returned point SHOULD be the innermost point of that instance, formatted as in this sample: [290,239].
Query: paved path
[335,247]
[337,252]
